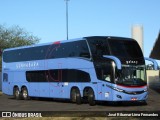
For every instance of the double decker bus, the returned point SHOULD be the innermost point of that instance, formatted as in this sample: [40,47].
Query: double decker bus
[97,68]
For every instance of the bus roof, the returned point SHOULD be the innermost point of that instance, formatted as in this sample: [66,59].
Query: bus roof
[41,44]
[70,40]
[111,37]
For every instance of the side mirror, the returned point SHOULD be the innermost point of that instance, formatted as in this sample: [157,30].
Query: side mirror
[155,64]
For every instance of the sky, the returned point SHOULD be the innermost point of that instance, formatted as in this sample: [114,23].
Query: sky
[46,19]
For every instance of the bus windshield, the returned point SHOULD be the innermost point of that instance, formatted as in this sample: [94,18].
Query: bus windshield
[121,48]
[131,76]
[125,48]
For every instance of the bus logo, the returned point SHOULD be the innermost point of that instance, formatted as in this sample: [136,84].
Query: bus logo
[27,65]
[131,62]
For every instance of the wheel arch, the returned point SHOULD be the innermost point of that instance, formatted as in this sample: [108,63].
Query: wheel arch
[76,87]
[23,86]
[15,86]
[86,89]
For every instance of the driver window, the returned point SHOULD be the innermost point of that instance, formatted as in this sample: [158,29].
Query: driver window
[104,71]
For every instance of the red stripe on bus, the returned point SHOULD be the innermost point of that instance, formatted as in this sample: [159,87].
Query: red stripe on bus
[57,42]
[132,86]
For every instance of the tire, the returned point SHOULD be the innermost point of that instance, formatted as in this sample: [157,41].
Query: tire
[78,97]
[91,98]
[75,96]
[25,95]
[16,93]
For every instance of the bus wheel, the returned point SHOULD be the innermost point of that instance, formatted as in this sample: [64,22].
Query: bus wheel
[25,93]
[75,96]
[16,93]
[91,97]
[78,97]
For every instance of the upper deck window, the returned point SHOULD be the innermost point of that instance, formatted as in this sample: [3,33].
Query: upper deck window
[98,46]
[68,49]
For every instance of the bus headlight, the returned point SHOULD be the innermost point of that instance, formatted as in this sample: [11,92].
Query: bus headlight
[145,90]
[117,89]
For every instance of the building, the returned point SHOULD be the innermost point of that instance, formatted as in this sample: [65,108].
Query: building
[153,76]
[137,34]
[155,53]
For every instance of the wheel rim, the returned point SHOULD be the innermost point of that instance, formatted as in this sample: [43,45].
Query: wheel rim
[25,94]
[91,98]
[78,97]
[17,93]
[73,96]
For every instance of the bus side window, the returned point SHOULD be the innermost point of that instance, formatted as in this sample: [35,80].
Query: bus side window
[104,70]
[5,77]
[82,49]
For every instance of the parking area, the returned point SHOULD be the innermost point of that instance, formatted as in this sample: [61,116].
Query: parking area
[7,103]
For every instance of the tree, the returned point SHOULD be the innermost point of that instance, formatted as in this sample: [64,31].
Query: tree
[14,37]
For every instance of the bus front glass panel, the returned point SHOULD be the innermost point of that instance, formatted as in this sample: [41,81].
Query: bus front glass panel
[131,76]
[130,55]
[125,48]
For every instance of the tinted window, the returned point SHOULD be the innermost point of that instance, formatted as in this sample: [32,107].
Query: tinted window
[125,48]
[69,49]
[5,77]
[98,46]
[104,70]
[77,76]
[80,49]
[54,75]
[36,76]
[64,75]
[27,54]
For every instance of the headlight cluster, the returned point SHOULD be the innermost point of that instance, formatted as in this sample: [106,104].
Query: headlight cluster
[145,90]
[117,89]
